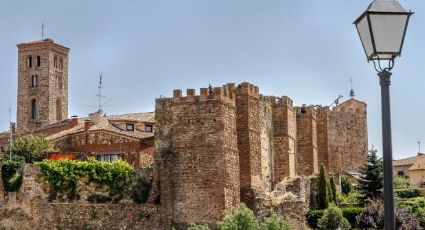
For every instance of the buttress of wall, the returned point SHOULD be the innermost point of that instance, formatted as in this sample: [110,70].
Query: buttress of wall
[322,115]
[347,137]
[196,150]
[249,137]
[267,152]
[307,156]
[284,138]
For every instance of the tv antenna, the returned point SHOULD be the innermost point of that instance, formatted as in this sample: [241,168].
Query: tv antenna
[10,134]
[419,145]
[100,96]
[42,30]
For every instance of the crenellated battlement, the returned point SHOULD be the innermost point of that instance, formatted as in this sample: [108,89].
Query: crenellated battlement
[246,88]
[226,93]
[306,111]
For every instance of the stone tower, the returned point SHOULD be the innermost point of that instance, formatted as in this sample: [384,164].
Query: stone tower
[42,84]
[307,163]
[197,153]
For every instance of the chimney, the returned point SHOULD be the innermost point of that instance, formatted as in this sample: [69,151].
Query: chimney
[74,121]
[95,117]
[87,125]
[420,154]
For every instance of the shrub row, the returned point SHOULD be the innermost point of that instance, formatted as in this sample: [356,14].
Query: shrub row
[408,193]
[349,213]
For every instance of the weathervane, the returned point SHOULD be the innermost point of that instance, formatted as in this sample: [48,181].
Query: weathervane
[352,94]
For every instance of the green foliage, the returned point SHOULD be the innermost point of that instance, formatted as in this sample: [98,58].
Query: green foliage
[198,227]
[242,218]
[408,192]
[274,222]
[322,192]
[31,147]
[64,174]
[401,182]
[351,213]
[352,199]
[332,188]
[333,219]
[313,217]
[140,190]
[346,185]
[371,176]
[415,206]
[11,173]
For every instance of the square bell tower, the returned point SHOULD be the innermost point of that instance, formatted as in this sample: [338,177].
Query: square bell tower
[42,84]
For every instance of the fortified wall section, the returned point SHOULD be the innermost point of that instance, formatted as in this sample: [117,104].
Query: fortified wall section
[307,158]
[197,154]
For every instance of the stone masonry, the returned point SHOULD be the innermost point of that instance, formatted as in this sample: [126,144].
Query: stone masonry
[42,84]
[231,144]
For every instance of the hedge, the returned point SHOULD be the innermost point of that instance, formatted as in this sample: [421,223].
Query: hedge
[408,193]
[313,217]
[351,213]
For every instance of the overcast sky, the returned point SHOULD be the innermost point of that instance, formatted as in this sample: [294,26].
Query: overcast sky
[306,49]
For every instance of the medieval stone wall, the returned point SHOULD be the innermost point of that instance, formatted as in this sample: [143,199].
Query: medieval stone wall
[307,157]
[196,148]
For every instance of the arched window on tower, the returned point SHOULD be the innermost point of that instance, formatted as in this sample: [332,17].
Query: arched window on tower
[38,61]
[33,109]
[61,63]
[29,61]
[34,81]
[55,62]
[58,109]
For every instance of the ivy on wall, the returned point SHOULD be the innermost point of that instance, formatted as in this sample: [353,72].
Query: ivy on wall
[65,174]
[11,173]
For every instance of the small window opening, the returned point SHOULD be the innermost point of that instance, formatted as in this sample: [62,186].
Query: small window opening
[34,81]
[55,62]
[61,63]
[148,128]
[38,61]
[33,109]
[129,127]
[29,61]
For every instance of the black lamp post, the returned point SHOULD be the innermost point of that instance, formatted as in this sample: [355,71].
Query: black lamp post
[382,28]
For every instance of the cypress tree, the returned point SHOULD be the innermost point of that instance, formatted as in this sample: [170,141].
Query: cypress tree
[333,190]
[371,176]
[346,186]
[322,196]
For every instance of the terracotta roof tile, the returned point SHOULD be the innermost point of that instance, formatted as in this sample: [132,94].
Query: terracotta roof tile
[408,161]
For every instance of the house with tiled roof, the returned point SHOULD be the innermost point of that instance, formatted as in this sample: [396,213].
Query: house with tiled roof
[412,168]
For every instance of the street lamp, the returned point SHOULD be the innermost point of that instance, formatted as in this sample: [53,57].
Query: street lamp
[382,28]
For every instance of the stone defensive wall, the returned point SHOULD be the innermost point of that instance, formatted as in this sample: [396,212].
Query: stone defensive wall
[33,208]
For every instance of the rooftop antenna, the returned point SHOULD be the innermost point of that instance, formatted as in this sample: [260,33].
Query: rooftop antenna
[352,94]
[99,95]
[419,145]
[10,134]
[42,30]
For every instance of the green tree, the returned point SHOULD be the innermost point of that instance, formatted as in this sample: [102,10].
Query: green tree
[371,176]
[333,190]
[242,218]
[31,147]
[333,219]
[322,191]
[346,185]
[274,222]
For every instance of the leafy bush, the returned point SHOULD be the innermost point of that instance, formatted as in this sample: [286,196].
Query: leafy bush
[346,185]
[408,193]
[11,173]
[274,222]
[198,227]
[372,217]
[242,218]
[351,213]
[415,206]
[313,217]
[140,190]
[333,219]
[64,174]
[401,182]
[31,147]
[352,199]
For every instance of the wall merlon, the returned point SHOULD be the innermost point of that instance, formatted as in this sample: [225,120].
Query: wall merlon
[246,88]
[306,111]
